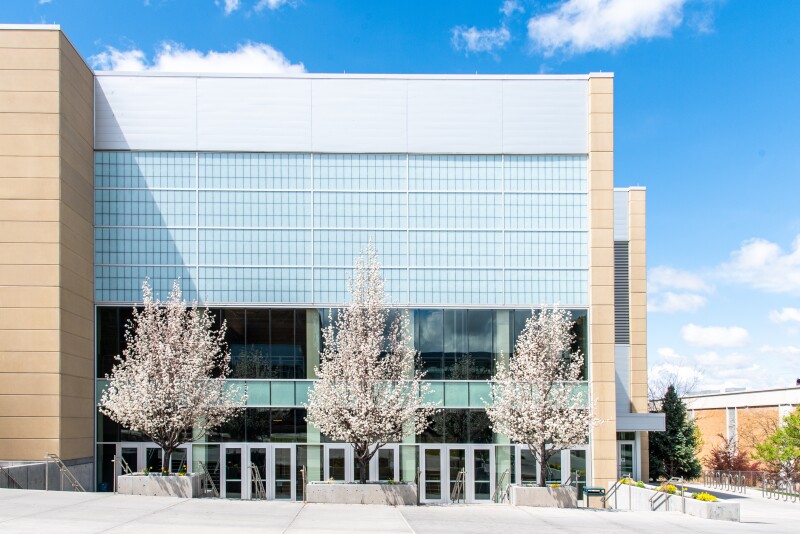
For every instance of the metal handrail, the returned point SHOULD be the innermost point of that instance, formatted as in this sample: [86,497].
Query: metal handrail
[64,471]
[9,478]
[499,489]
[458,490]
[612,490]
[208,480]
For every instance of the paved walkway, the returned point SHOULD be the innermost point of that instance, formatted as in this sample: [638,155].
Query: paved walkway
[38,511]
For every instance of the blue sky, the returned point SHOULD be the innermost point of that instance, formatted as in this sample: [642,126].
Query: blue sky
[706,108]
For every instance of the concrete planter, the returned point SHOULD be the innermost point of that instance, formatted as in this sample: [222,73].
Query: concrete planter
[561,497]
[391,494]
[633,498]
[160,486]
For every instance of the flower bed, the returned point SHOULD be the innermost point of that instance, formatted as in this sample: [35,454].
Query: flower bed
[402,494]
[656,498]
[549,497]
[186,486]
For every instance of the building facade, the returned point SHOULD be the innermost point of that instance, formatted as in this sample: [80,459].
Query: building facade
[739,418]
[486,196]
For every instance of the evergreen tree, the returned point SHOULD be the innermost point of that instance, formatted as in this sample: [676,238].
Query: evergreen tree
[673,453]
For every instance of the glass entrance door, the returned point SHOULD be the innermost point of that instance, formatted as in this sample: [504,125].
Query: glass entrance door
[232,484]
[257,487]
[431,475]
[625,459]
[482,474]
[283,484]
[456,462]
[152,459]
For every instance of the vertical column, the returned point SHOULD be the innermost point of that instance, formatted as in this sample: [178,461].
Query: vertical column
[76,264]
[601,275]
[29,244]
[638,308]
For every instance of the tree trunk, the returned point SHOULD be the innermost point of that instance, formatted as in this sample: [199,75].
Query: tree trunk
[166,459]
[543,465]
[364,462]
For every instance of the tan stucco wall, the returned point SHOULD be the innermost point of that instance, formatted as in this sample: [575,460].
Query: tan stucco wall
[637,269]
[601,276]
[46,285]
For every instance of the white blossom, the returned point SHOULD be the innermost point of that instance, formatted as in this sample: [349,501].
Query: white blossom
[536,398]
[369,389]
[169,383]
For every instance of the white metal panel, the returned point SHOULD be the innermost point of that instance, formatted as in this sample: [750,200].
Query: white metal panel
[622,368]
[621,216]
[458,116]
[254,114]
[145,113]
[359,115]
[545,117]
[641,422]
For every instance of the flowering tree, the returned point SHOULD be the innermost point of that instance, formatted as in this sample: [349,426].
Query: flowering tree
[534,398]
[368,389]
[169,382]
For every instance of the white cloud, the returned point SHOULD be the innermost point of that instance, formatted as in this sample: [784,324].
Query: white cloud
[765,265]
[474,40]
[250,57]
[579,26]
[670,302]
[669,277]
[787,349]
[273,4]
[785,315]
[509,7]
[672,290]
[711,371]
[229,6]
[714,336]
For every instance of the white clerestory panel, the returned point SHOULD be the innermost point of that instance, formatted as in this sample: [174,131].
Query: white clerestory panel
[342,114]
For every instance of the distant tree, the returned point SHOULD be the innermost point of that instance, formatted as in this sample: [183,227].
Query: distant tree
[534,399]
[674,451]
[369,389]
[169,383]
[726,456]
[780,452]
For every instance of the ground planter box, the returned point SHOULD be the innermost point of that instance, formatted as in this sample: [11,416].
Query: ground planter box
[336,493]
[632,498]
[160,486]
[560,497]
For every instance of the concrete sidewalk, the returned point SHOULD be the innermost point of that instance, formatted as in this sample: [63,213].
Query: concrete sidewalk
[62,512]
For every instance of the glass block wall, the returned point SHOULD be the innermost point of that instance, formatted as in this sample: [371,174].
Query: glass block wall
[285,228]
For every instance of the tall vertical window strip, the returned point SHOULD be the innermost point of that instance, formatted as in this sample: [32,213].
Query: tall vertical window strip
[286,228]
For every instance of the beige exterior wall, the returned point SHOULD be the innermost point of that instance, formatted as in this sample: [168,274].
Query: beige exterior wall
[46,242]
[601,276]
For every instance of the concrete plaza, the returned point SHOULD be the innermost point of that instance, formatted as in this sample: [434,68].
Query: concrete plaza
[63,512]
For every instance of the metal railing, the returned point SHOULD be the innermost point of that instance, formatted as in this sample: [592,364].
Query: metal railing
[500,495]
[11,482]
[63,472]
[207,481]
[458,489]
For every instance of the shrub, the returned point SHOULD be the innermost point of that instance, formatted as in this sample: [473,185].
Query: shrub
[555,485]
[640,484]
[703,496]
[669,488]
